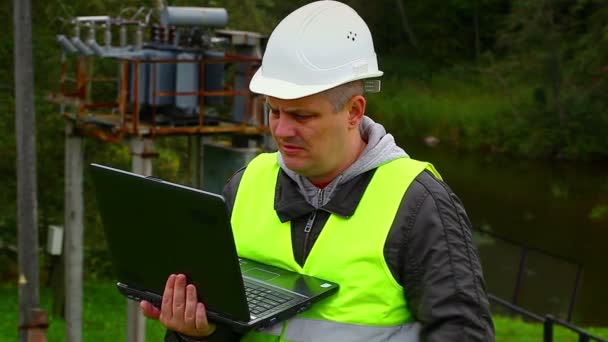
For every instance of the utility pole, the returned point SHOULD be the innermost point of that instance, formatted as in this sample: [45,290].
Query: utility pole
[31,318]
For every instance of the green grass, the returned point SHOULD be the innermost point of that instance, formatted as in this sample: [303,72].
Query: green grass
[496,107]
[105,313]
[462,106]
[466,110]
[512,329]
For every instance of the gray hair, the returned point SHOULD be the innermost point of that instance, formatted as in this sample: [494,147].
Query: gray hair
[338,96]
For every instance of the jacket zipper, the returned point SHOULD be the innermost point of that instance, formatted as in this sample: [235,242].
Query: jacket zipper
[309,224]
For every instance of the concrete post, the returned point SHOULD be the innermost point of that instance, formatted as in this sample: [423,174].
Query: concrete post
[73,243]
[142,152]
[196,160]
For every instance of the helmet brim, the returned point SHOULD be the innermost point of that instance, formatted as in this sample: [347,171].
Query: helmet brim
[288,91]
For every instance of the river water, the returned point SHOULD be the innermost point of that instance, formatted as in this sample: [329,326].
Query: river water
[555,206]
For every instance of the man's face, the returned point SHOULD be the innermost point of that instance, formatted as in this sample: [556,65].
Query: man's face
[311,137]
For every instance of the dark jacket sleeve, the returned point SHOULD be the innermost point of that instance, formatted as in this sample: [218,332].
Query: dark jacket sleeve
[231,188]
[441,271]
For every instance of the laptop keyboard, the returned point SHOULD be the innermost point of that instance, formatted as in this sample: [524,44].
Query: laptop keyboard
[261,299]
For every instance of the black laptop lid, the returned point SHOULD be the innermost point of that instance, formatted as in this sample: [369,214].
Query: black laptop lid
[147,244]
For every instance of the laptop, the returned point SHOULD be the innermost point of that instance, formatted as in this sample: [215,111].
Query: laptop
[156,228]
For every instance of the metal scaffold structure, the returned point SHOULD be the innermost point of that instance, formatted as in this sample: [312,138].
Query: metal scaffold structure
[169,71]
[176,83]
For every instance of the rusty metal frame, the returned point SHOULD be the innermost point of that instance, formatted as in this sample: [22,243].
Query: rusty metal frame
[123,117]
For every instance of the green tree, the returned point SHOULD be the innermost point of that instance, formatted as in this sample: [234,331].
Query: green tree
[559,46]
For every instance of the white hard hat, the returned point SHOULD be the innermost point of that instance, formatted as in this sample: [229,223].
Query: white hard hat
[317,47]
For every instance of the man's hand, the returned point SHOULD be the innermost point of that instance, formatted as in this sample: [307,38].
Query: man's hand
[180,310]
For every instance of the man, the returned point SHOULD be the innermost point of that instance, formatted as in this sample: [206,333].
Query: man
[342,202]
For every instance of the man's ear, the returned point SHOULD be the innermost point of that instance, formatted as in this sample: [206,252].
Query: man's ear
[356,110]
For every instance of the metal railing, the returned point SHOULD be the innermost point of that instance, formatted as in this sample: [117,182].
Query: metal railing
[549,321]
[524,252]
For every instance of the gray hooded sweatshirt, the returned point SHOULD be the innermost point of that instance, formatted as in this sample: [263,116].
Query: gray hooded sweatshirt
[380,149]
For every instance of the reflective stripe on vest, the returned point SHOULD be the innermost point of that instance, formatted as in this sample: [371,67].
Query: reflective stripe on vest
[301,329]
[348,251]
[305,330]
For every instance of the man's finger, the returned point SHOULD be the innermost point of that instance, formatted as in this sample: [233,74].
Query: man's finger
[179,298]
[149,310]
[190,311]
[166,310]
[202,325]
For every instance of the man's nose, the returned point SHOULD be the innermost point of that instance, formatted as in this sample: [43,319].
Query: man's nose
[284,127]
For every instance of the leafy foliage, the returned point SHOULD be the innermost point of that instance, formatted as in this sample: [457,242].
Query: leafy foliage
[541,76]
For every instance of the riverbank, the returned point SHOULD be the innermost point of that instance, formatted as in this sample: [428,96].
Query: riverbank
[105,316]
[487,109]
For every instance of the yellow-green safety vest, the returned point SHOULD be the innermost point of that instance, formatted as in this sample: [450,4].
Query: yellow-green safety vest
[370,304]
